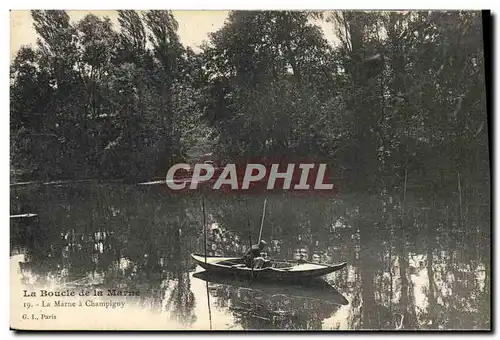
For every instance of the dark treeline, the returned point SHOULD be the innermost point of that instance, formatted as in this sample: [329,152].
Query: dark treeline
[399,91]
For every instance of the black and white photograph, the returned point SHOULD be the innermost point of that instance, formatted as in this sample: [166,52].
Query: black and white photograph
[250,170]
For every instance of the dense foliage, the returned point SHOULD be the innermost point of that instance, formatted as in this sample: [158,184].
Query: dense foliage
[399,91]
[90,101]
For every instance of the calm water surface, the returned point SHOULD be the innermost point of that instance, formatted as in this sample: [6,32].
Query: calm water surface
[409,268]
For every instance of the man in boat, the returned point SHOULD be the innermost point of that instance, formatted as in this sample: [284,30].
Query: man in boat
[253,256]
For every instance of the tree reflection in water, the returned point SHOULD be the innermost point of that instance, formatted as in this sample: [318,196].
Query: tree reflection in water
[424,269]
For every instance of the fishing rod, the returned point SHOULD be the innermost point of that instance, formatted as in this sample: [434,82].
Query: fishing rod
[249,236]
[262,220]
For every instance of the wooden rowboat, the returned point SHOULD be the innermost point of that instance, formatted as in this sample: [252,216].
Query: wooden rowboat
[279,269]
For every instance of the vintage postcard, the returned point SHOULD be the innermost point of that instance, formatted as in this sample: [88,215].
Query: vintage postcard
[250,170]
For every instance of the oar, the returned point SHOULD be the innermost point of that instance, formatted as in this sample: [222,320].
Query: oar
[204,226]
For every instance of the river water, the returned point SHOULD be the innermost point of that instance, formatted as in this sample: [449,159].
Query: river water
[411,267]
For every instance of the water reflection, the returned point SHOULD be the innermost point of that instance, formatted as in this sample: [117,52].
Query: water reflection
[431,274]
[258,305]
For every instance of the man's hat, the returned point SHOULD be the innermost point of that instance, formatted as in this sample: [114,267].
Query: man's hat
[263,242]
